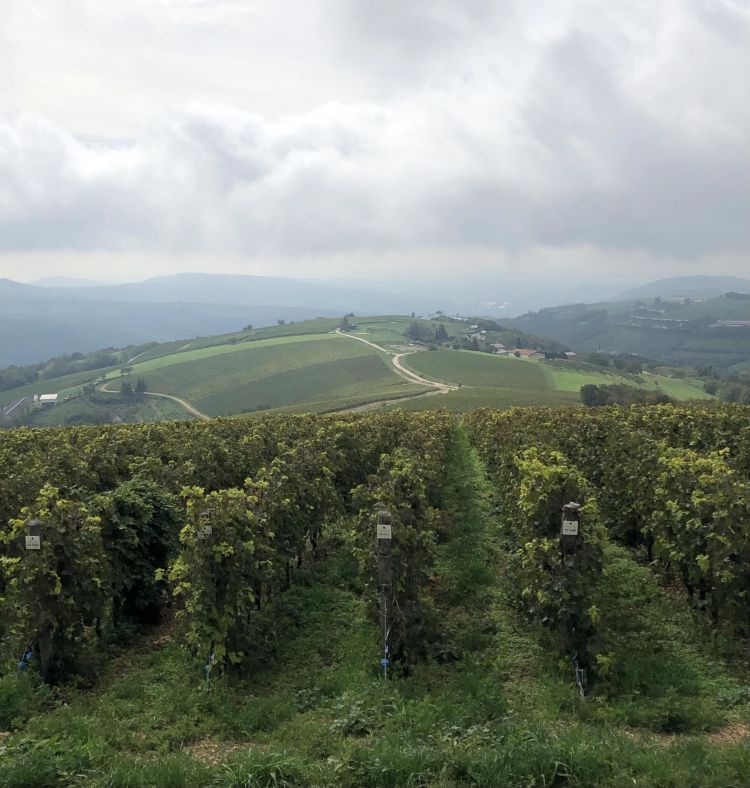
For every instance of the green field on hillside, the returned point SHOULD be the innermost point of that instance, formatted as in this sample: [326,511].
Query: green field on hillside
[67,384]
[570,376]
[678,388]
[468,398]
[485,380]
[169,353]
[390,331]
[478,369]
[506,381]
[318,326]
[210,352]
[85,411]
[328,370]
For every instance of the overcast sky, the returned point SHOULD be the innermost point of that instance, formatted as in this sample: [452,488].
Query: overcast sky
[548,140]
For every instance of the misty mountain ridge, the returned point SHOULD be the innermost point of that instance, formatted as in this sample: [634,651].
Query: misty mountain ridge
[37,323]
[687,287]
[58,315]
[65,281]
[499,296]
[237,289]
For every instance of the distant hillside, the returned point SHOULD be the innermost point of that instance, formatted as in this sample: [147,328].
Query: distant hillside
[687,287]
[60,315]
[38,322]
[245,290]
[309,366]
[65,281]
[677,331]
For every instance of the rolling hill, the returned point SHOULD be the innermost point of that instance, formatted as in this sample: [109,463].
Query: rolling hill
[312,372]
[241,289]
[297,367]
[37,323]
[40,321]
[506,381]
[678,331]
[65,281]
[309,367]
[60,315]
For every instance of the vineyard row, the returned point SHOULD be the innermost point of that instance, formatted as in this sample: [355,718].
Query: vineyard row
[105,527]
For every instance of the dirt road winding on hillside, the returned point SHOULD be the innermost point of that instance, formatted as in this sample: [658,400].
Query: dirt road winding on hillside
[433,386]
[191,409]
[404,372]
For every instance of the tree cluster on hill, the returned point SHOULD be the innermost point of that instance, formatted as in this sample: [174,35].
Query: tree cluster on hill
[67,364]
[494,333]
[620,394]
[730,392]
[425,331]
[728,387]
[623,363]
[14,376]
[129,391]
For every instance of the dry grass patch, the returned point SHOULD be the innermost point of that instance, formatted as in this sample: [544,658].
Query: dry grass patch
[211,752]
[733,733]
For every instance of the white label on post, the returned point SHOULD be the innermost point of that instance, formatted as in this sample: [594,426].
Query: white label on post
[570,528]
[33,543]
[384,530]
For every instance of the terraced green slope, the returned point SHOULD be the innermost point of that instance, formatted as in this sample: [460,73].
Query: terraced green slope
[485,380]
[479,369]
[323,371]
[505,381]
[467,398]
[570,376]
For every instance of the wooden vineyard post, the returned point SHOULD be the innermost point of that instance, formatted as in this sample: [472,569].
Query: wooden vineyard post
[384,552]
[570,530]
[204,529]
[33,541]
[570,540]
[33,538]
[45,635]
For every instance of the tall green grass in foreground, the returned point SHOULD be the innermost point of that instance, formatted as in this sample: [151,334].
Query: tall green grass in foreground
[494,707]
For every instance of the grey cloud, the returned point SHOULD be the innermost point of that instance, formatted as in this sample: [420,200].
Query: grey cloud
[397,46]
[593,133]
[639,178]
